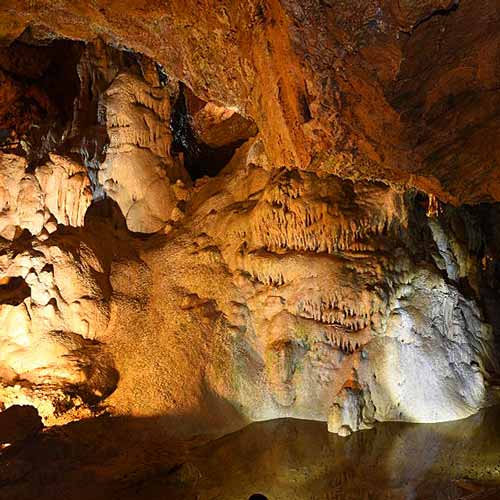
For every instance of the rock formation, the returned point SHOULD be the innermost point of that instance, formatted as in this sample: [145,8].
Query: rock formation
[58,192]
[139,172]
[320,283]
[256,213]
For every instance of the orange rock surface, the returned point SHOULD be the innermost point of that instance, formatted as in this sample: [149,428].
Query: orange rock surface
[402,91]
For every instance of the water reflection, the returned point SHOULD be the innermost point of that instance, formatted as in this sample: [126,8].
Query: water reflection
[293,459]
[136,459]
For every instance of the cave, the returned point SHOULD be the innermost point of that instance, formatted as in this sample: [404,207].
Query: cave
[250,250]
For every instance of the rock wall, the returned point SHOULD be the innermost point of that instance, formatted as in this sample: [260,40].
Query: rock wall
[401,91]
[57,192]
[296,291]
[167,251]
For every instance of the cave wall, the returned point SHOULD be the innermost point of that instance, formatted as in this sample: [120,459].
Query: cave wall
[274,210]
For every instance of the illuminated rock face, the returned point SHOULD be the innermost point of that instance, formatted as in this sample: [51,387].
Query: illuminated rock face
[58,192]
[263,291]
[50,354]
[291,295]
[139,172]
[339,294]
[281,294]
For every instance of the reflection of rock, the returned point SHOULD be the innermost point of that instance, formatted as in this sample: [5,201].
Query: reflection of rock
[285,459]
[298,459]
[58,192]
[139,172]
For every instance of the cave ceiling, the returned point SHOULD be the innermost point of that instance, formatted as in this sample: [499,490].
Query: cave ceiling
[401,91]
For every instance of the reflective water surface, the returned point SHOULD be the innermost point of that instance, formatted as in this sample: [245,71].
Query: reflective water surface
[113,458]
[293,459]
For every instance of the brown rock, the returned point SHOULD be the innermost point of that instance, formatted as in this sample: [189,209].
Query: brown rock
[18,423]
[401,91]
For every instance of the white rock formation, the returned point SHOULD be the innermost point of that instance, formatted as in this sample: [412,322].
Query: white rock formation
[351,411]
[57,192]
[282,290]
[139,172]
[430,365]
[48,342]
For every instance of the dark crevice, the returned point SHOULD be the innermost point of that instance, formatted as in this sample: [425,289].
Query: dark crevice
[106,208]
[14,291]
[46,81]
[304,108]
[436,13]
[162,75]
[199,159]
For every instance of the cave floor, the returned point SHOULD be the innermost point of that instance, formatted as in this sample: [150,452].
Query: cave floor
[121,458]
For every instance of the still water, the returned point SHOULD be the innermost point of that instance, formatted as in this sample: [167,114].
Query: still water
[293,459]
[130,459]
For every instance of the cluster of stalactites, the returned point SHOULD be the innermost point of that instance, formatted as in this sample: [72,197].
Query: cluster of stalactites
[334,312]
[138,115]
[286,218]
[341,342]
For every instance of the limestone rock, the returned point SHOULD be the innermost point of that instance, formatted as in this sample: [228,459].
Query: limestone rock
[317,279]
[66,189]
[139,170]
[49,333]
[58,190]
[297,273]
[350,412]
[401,91]
[215,125]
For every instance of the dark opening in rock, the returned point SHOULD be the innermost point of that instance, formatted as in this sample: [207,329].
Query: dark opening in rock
[13,291]
[39,85]
[207,134]
[258,496]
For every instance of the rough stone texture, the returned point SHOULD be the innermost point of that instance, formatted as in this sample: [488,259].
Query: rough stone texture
[282,278]
[403,91]
[53,309]
[350,412]
[280,289]
[139,172]
[217,126]
[58,192]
